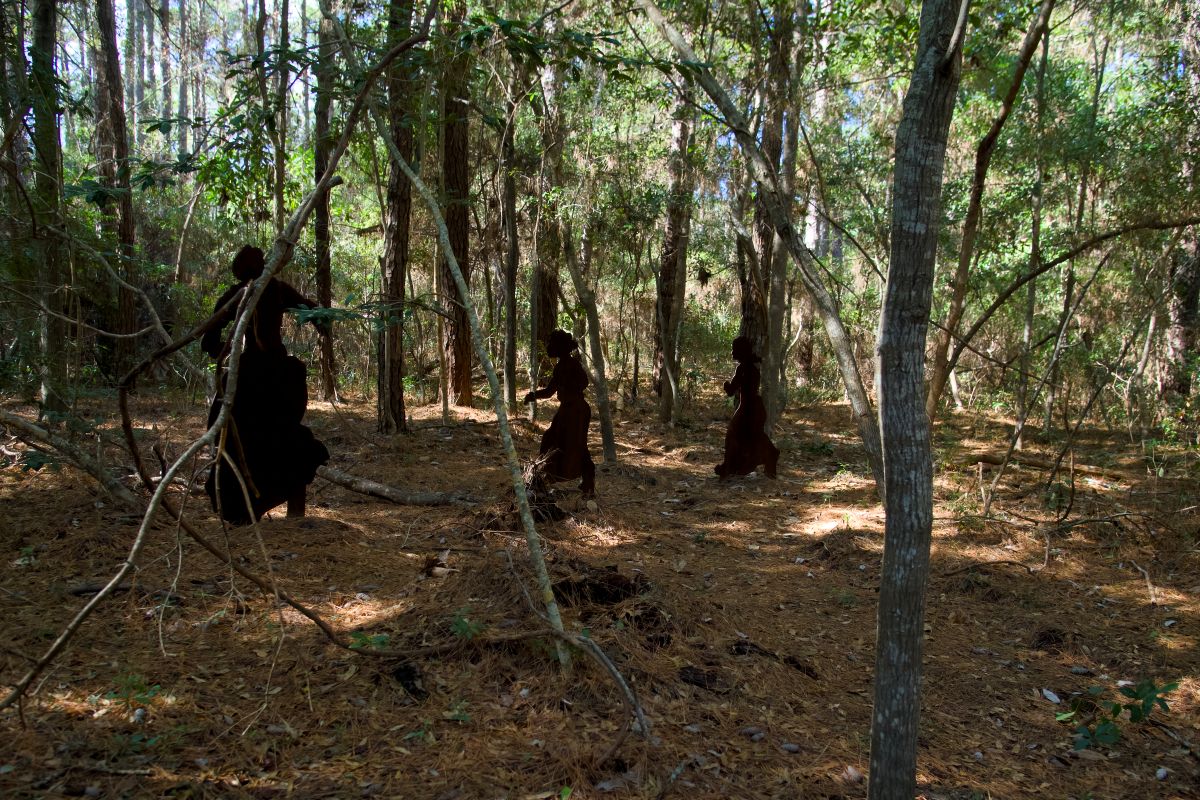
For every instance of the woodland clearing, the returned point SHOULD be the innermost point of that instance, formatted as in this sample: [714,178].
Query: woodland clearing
[741,612]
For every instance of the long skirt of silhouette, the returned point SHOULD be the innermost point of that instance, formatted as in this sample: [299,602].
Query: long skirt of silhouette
[275,453]
[746,443]
[566,443]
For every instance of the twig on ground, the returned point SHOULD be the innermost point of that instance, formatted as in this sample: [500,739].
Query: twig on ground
[1149,585]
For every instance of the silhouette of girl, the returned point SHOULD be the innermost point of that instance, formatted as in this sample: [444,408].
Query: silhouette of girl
[746,444]
[275,454]
[565,441]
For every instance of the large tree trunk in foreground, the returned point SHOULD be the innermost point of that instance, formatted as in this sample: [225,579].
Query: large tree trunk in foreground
[900,360]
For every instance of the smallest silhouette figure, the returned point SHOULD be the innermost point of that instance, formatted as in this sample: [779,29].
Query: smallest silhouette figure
[565,441]
[746,444]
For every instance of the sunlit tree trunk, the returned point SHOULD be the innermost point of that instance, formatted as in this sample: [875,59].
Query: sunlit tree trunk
[281,125]
[904,425]
[456,191]
[548,251]
[112,164]
[181,78]
[322,145]
[164,57]
[391,415]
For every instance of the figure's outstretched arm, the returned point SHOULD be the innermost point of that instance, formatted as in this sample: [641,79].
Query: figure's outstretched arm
[291,298]
[213,342]
[546,391]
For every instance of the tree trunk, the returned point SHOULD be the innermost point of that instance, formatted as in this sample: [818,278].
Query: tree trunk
[512,253]
[587,298]
[181,78]
[1182,306]
[112,164]
[672,272]
[47,194]
[391,416]
[900,361]
[281,125]
[164,56]
[322,145]
[966,251]
[456,191]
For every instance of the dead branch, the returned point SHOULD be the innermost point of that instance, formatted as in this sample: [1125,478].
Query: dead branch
[993,459]
[369,487]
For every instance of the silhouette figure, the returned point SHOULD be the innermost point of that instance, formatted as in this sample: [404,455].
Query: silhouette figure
[746,444]
[565,441]
[275,454]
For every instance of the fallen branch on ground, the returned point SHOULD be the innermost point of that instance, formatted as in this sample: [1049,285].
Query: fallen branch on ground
[366,486]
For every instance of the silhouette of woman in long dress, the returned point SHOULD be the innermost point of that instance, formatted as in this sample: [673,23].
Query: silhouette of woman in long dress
[565,441]
[275,454]
[746,443]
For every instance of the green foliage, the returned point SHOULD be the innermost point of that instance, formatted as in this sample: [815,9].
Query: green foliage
[133,692]
[360,640]
[1102,717]
[463,626]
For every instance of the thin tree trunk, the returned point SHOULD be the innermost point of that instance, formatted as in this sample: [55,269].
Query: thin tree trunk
[391,416]
[900,366]
[47,196]
[322,145]
[181,77]
[512,253]
[164,57]
[456,190]
[587,298]
[966,251]
[112,164]
[281,125]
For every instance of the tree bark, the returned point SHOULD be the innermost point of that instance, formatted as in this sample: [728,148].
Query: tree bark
[47,198]
[512,252]
[322,146]
[113,165]
[181,78]
[900,360]
[456,190]
[281,124]
[391,415]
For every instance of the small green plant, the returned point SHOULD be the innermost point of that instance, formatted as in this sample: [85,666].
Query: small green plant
[26,557]
[422,734]
[123,743]
[565,793]
[1102,718]
[457,712]
[369,641]
[133,692]
[463,626]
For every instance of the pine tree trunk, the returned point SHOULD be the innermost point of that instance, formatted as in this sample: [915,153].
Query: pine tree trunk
[456,190]
[112,165]
[47,194]
[182,77]
[281,125]
[512,252]
[164,56]
[587,298]
[391,415]
[322,145]
[908,459]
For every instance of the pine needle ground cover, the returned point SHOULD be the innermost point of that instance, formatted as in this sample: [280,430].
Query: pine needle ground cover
[742,613]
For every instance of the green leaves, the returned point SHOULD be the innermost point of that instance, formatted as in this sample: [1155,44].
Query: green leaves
[1106,716]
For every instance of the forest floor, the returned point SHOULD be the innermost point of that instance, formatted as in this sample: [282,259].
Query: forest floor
[741,612]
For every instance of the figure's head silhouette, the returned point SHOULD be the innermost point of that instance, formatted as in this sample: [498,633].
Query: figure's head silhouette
[248,263]
[560,343]
[743,351]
